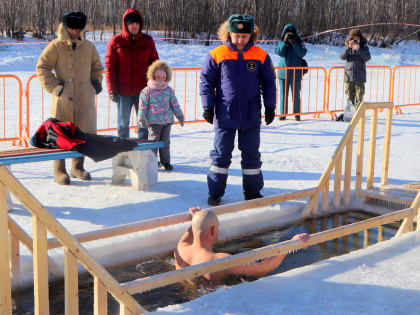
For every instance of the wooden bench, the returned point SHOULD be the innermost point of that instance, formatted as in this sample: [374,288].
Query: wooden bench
[140,164]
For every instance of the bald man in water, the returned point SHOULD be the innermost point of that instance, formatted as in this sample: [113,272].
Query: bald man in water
[196,247]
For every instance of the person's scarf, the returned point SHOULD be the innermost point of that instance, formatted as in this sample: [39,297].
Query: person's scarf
[157,84]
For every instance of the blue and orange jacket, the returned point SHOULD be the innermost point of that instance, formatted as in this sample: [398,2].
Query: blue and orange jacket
[232,84]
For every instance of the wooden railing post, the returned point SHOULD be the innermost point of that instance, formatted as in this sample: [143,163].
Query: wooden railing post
[360,149]
[325,196]
[14,259]
[41,299]
[6,286]
[387,147]
[347,170]
[372,150]
[71,281]
[100,304]
[337,182]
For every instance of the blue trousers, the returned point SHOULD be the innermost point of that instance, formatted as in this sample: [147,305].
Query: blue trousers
[283,91]
[221,156]
[125,104]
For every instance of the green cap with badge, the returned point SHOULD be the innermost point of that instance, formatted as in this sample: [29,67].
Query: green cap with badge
[241,23]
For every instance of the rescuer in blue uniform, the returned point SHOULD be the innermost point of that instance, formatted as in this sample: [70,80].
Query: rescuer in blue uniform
[233,77]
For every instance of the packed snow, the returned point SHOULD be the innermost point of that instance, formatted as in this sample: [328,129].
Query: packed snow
[384,277]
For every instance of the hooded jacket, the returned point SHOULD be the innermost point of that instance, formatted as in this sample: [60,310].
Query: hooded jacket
[290,56]
[355,70]
[238,79]
[127,59]
[74,69]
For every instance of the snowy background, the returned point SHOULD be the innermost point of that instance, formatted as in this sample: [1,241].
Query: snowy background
[294,154]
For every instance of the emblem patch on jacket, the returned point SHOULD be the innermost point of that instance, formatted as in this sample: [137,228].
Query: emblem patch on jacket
[252,66]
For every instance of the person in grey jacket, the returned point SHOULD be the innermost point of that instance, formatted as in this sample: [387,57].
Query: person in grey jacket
[356,54]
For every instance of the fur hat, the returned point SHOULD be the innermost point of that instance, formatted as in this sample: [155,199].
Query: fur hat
[74,20]
[241,23]
[159,65]
[132,18]
[356,33]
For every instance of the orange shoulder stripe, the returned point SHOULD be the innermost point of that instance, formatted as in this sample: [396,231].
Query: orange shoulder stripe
[223,53]
[255,53]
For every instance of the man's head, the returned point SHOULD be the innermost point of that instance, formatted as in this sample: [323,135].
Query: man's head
[240,27]
[74,22]
[132,22]
[205,224]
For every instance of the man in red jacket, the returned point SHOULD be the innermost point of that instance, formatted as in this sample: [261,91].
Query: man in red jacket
[127,58]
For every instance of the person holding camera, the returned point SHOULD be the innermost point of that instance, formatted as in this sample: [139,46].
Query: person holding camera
[291,51]
[356,54]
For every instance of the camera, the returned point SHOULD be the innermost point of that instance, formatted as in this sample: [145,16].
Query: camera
[357,42]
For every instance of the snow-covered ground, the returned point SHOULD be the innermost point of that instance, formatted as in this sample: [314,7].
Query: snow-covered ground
[294,155]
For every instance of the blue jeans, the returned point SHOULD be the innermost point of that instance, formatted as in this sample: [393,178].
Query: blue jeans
[125,103]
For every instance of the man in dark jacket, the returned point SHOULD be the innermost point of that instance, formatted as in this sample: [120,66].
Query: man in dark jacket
[127,58]
[356,54]
[232,79]
[291,51]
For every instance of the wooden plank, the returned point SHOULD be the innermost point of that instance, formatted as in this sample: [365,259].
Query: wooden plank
[156,281]
[387,196]
[372,149]
[347,171]
[100,299]
[71,284]
[337,182]
[387,146]
[416,205]
[5,287]
[59,232]
[14,260]
[325,196]
[360,151]
[182,217]
[378,105]
[26,240]
[41,300]
[380,233]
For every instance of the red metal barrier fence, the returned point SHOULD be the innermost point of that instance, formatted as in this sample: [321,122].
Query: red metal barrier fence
[10,111]
[321,92]
[406,86]
[377,87]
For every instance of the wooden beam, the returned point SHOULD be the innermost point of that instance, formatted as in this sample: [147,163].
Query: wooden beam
[41,299]
[325,197]
[387,147]
[100,298]
[347,170]
[337,182]
[182,217]
[372,149]
[14,260]
[5,287]
[360,150]
[160,280]
[59,232]
[71,284]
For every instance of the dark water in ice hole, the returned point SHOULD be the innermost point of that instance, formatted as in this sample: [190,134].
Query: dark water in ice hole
[183,292]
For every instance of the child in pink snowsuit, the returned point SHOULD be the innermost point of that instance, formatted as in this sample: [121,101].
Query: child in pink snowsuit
[157,107]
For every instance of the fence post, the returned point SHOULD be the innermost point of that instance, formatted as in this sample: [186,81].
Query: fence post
[360,149]
[372,150]
[5,287]
[387,146]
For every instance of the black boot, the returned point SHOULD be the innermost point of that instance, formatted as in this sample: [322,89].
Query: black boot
[214,201]
[253,196]
[77,170]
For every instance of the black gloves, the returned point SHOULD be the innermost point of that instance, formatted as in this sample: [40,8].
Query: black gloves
[209,115]
[269,115]
[97,85]
[290,38]
[114,97]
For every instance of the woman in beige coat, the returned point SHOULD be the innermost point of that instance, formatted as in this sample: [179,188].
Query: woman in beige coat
[76,79]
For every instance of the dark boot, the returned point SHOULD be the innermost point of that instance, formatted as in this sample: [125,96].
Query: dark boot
[77,170]
[60,174]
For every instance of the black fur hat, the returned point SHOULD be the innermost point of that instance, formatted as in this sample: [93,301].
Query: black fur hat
[74,20]
[132,18]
